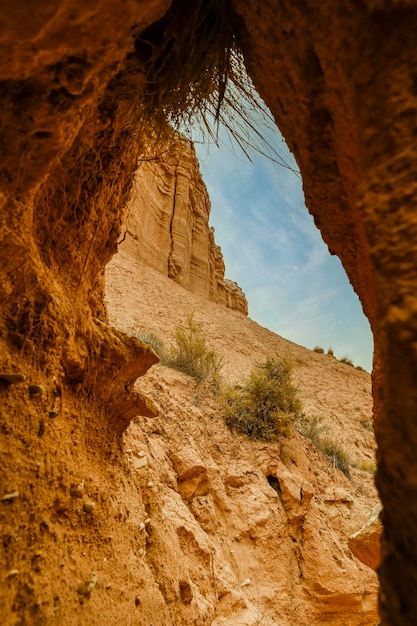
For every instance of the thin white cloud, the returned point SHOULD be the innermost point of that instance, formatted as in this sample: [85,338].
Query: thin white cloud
[273,250]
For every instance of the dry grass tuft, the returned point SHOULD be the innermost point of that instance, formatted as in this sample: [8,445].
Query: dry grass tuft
[196,80]
[347,360]
[312,428]
[190,57]
[157,345]
[367,466]
[191,355]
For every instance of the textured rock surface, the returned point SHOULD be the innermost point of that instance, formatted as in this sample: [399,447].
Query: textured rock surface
[365,544]
[168,229]
[258,531]
[340,79]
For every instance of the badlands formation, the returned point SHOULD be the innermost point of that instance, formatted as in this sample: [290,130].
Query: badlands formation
[339,77]
[245,532]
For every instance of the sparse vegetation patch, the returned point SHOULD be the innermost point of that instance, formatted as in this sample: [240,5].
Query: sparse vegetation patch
[313,429]
[367,466]
[347,360]
[190,353]
[265,407]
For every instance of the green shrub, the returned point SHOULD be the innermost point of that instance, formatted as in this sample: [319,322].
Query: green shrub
[318,349]
[266,405]
[190,353]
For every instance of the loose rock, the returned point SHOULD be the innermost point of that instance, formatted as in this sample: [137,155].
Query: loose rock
[89,506]
[140,463]
[77,491]
[12,378]
[86,588]
[36,390]
[10,496]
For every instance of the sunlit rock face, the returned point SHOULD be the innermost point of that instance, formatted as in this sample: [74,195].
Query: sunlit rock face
[167,225]
[365,542]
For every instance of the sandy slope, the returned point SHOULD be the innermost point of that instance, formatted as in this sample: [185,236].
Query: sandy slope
[219,521]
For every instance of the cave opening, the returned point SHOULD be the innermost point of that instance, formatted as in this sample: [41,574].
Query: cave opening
[273,249]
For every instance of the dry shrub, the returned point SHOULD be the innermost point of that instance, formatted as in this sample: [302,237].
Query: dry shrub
[157,345]
[265,407]
[330,352]
[318,349]
[191,355]
[313,429]
[347,361]
[188,354]
[367,466]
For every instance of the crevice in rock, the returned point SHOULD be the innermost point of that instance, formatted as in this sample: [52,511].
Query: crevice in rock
[172,270]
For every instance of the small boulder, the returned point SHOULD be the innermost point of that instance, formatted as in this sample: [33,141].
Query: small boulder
[365,543]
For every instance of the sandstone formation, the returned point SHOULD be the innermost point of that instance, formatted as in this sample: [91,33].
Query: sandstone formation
[244,532]
[365,543]
[340,80]
[167,225]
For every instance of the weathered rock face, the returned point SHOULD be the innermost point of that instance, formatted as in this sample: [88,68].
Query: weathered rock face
[68,109]
[340,80]
[242,531]
[168,229]
[365,543]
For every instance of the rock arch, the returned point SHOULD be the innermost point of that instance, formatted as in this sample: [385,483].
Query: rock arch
[340,78]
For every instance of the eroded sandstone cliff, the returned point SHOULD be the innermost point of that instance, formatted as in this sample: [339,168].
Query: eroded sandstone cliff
[167,225]
[243,532]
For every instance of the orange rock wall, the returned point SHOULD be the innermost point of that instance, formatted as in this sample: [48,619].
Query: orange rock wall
[168,226]
[340,80]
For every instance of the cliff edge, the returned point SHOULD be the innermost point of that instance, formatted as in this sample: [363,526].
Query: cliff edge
[167,226]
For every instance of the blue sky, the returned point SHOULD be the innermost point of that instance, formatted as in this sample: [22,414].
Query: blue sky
[273,250]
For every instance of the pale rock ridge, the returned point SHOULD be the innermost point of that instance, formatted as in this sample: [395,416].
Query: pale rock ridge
[365,544]
[167,226]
